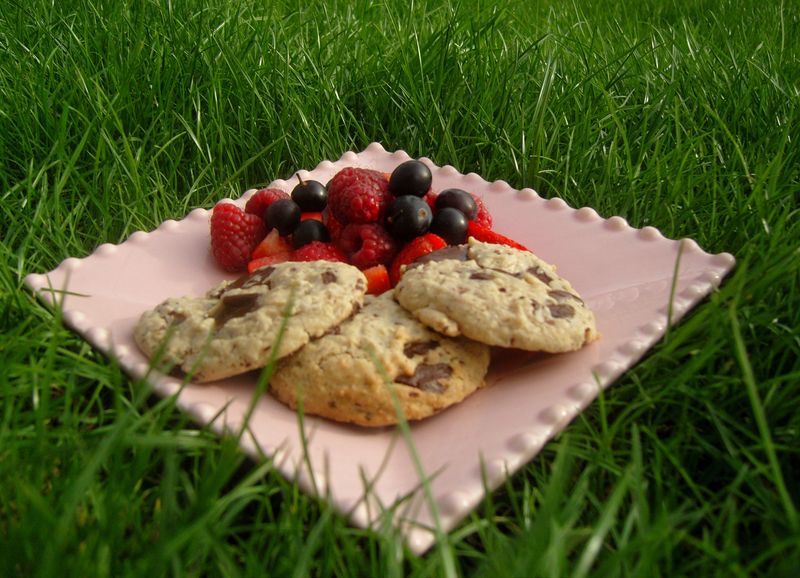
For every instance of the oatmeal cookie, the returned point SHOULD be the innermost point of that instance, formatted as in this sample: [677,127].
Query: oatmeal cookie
[497,295]
[349,374]
[235,326]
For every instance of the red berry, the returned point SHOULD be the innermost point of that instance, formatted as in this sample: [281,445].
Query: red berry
[358,195]
[377,279]
[367,245]
[483,218]
[234,235]
[486,235]
[412,251]
[262,199]
[319,251]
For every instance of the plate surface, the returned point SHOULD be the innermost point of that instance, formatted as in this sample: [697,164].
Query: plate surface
[635,280]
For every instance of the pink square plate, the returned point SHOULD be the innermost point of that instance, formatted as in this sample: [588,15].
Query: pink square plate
[637,282]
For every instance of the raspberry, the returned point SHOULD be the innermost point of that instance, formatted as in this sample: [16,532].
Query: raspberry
[483,218]
[319,251]
[367,245]
[234,235]
[262,199]
[334,226]
[358,195]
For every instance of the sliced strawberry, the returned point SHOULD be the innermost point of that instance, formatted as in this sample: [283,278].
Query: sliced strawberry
[268,260]
[273,244]
[377,279]
[311,216]
[486,235]
[412,251]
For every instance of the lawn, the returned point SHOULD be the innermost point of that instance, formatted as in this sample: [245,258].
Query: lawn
[680,115]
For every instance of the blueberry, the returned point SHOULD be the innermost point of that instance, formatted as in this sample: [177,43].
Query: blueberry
[451,225]
[408,217]
[410,178]
[284,215]
[308,231]
[310,196]
[457,199]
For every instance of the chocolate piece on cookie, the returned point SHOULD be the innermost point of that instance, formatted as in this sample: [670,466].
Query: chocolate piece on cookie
[234,327]
[497,295]
[342,376]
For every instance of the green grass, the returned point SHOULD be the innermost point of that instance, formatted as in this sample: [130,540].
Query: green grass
[681,115]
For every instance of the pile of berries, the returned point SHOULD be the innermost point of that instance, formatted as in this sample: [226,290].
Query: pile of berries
[375,221]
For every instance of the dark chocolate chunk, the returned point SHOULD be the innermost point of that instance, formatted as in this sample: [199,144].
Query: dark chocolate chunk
[559,295]
[456,252]
[481,276]
[561,310]
[426,377]
[257,277]
[419,347]
[177,317]
[175,372]
[231,306]
[539,273]
[328,277]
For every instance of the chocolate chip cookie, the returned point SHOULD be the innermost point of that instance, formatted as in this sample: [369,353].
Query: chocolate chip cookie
[349,374]
[497,295]
[236,325]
